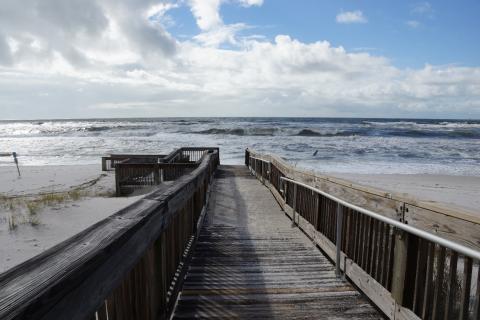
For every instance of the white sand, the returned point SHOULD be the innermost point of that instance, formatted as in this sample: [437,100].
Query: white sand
[53,222]
[461,192]
[41,179]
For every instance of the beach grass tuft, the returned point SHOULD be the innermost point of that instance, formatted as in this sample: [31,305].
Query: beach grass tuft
[32,207]
[34,221]
[12,223]
[75,194]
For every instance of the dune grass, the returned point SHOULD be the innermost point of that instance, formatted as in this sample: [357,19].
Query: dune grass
[25,209]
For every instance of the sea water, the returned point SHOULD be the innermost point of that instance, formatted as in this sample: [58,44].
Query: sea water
[405,146]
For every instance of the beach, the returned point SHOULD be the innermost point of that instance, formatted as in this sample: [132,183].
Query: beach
[49,204]
[449,191]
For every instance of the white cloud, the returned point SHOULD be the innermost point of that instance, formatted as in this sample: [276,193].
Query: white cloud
[423,8]
[413,24]
[248,3]
[207,13]
[221,34]
[214,31]
[351,17]
[129,65]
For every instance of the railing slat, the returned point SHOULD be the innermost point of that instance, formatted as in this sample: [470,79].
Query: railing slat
[452,287]
[438,292]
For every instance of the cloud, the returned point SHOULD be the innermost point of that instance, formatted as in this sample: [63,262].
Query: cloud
[214,31]
[248,3]
[351,17]
[220,35]
[5,51]
[75,31]
[423,9]
[412,24]
[206,13]
[121,61]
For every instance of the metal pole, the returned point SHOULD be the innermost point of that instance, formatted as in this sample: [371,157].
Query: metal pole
[14,154]
[339,238]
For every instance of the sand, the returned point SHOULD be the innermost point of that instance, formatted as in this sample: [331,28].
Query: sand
[49,204]
[454,192]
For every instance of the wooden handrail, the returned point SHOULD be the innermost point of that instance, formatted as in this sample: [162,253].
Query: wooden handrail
[121,267]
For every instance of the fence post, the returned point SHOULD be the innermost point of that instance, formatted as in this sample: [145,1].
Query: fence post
[163,272]
[338,241]
[294,203]
[117,181]
[399,266]
[270,172]
[104,163]
[156,174]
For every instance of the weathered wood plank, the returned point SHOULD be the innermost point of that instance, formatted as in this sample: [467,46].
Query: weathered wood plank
[250,263]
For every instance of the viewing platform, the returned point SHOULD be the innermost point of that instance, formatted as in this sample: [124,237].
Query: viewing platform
[261,240]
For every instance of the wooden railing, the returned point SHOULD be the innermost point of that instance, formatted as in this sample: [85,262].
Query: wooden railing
[406,274]
[137,172]
[127,266]
[109,162]
[188,154]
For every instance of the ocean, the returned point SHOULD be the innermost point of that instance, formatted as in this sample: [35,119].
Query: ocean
[387,146]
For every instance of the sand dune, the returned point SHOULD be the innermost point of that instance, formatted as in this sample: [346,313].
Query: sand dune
[49,204]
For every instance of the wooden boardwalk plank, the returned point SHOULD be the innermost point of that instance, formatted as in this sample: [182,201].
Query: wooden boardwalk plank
[249,262]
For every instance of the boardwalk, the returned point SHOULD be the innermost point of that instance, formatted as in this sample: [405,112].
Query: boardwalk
[250,263]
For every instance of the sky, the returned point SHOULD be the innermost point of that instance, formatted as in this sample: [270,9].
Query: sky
[306,58]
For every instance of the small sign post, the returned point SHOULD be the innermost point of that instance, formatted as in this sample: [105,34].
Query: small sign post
[14,154]
[15,159]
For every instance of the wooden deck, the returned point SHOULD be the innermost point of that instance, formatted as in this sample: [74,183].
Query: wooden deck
[249,262]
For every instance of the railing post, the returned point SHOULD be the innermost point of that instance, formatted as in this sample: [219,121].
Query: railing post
[156,174]
[399,266]
[117,181]
[104,164]
[339,239]
[270,172]
[163,274]
[294,203]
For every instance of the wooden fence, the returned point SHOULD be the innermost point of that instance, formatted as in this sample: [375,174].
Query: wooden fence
[406,276]
[127,266]
[109,162]
[188,154]
[138,171]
